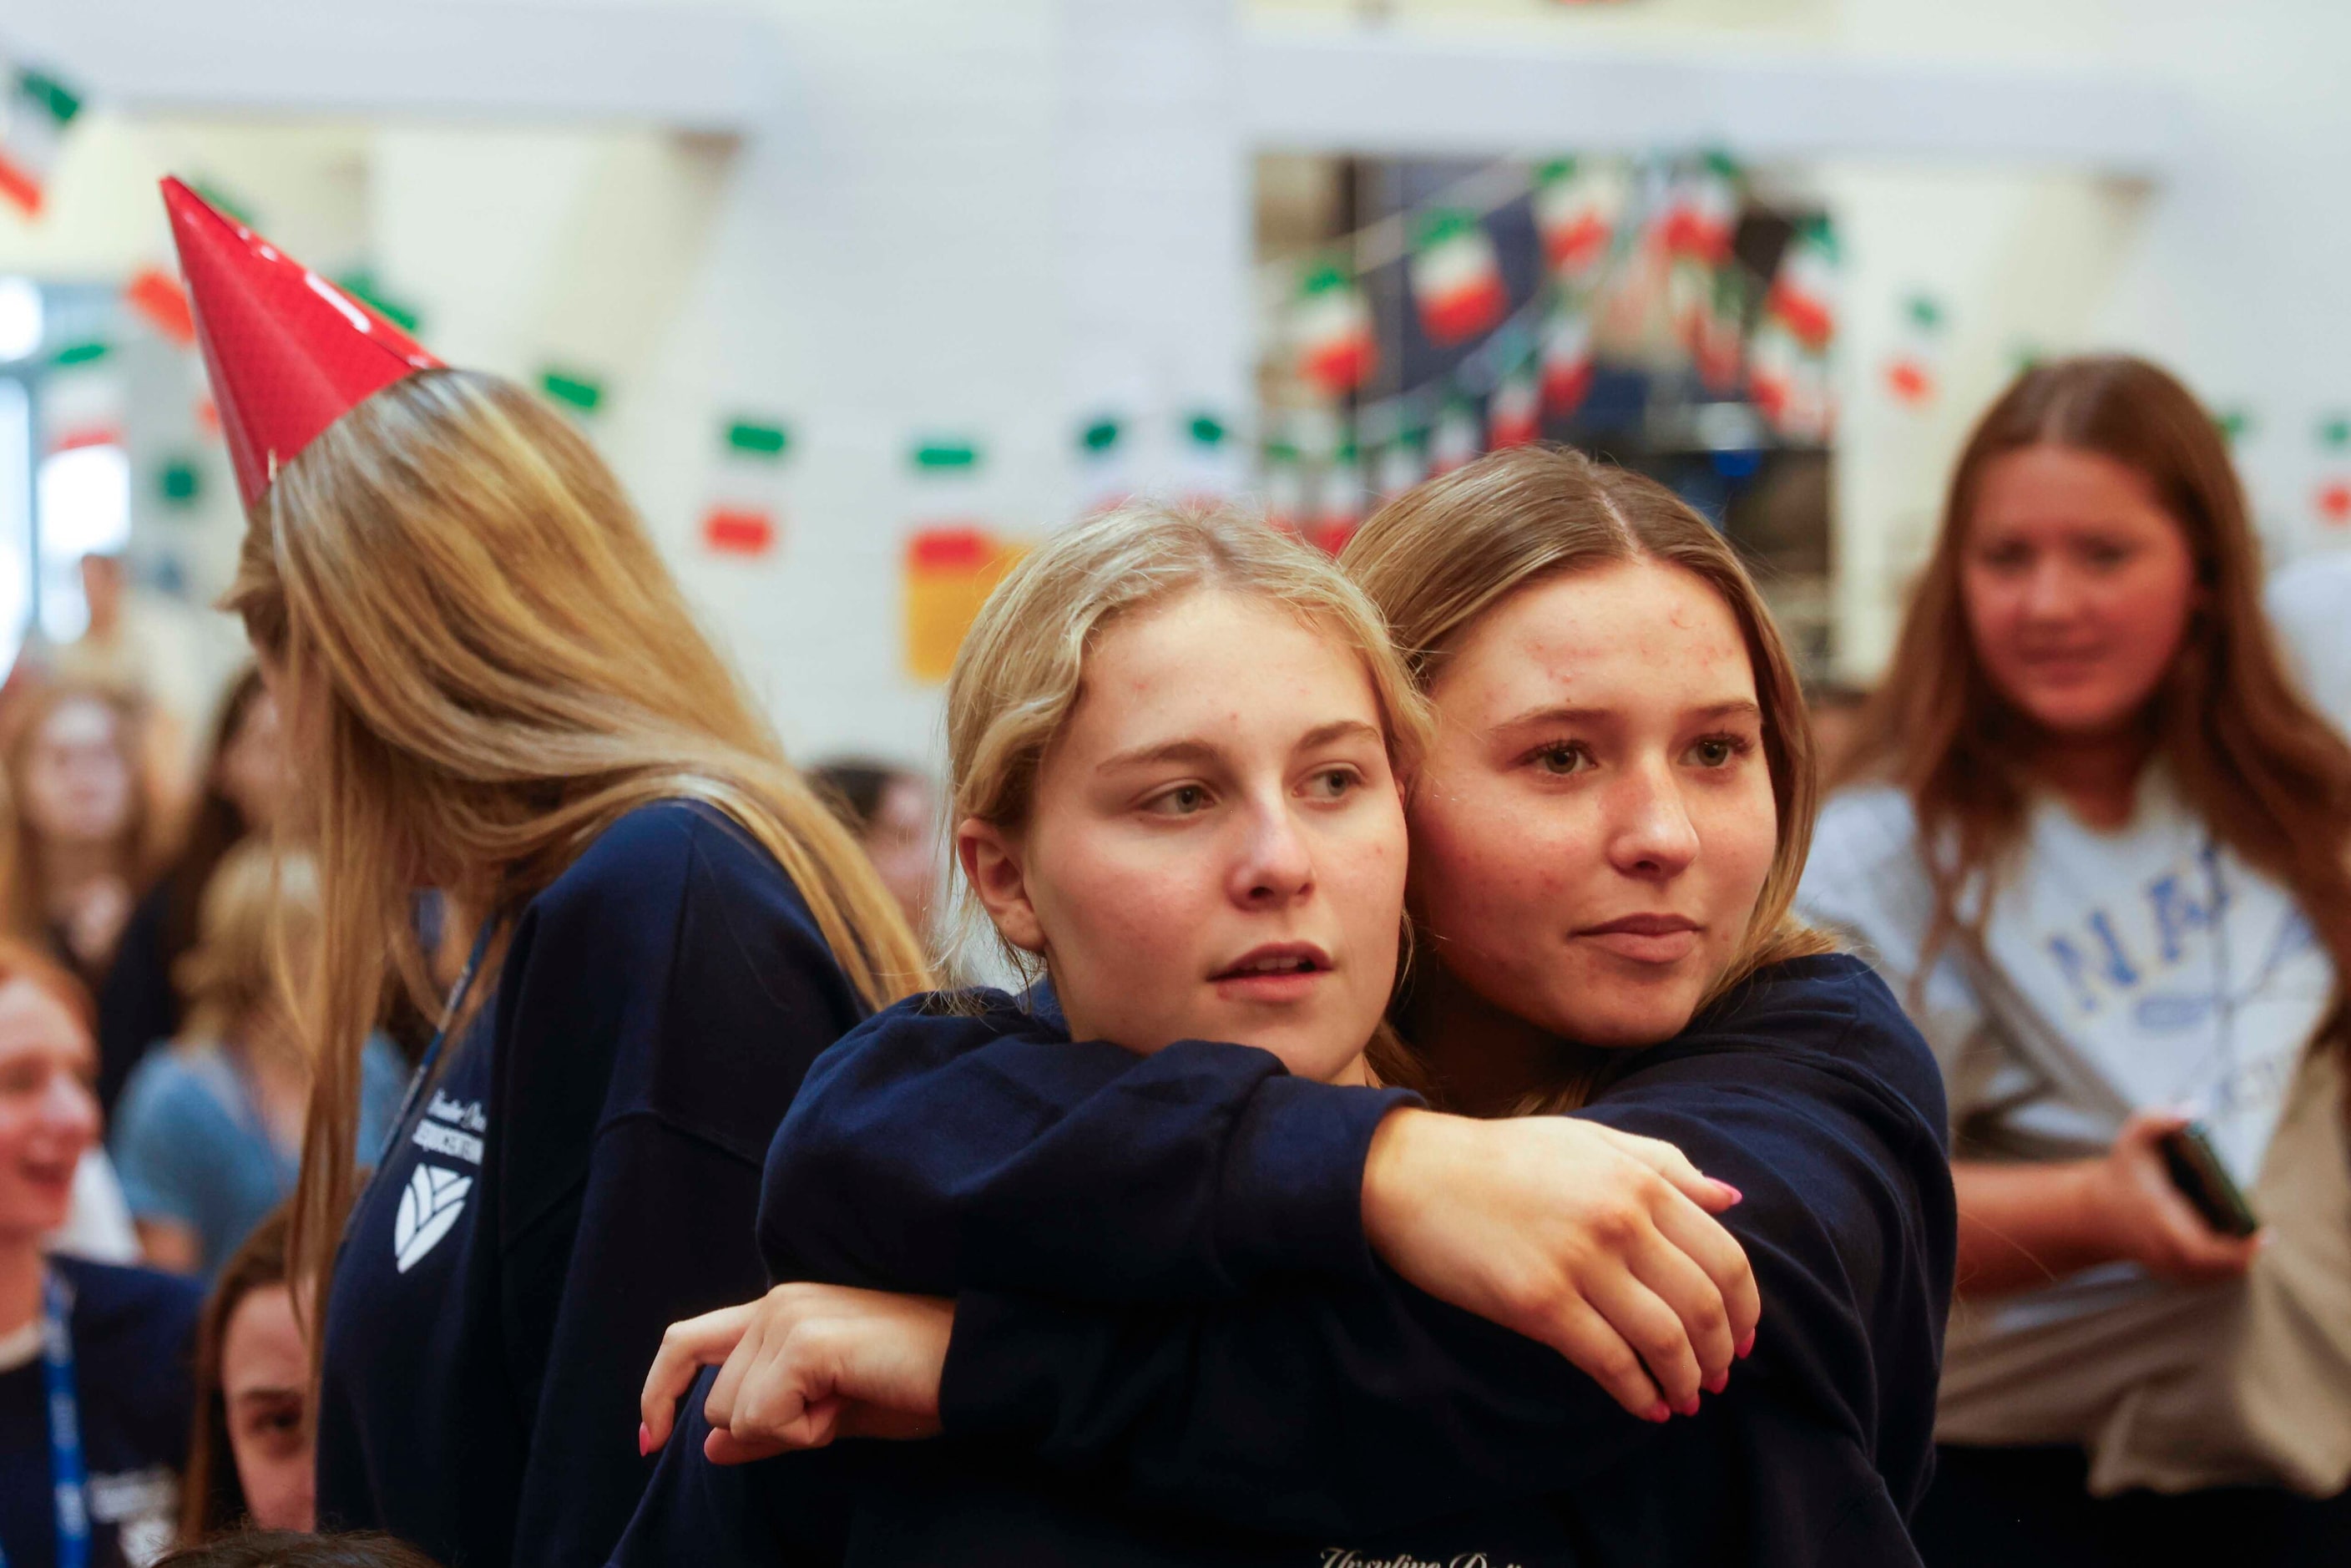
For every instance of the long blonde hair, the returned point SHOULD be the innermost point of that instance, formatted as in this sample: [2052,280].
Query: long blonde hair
[256,937]
[1441,555]
[1021,670]
[487,664]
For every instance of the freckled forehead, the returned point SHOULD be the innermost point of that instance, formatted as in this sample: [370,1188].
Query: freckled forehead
[1626,634]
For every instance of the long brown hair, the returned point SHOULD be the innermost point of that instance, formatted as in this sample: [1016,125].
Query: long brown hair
[2267,775]
[26,889]
[211,1497]
[1444,553]
[486,663]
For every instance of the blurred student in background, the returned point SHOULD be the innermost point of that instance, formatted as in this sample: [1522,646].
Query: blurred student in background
[93,1359]
[2097,841]
[208,1135]
[893,813]
[83,836]
[242,786]
[249,1452]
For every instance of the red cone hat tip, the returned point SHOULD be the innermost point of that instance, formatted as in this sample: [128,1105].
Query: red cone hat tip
[289,353]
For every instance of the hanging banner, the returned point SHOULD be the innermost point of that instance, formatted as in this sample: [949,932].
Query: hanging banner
[1804,290]
[1702,210]
[952,560]
[1331,326]
[34,117]
[1566,359]
[2332,500]
[1914,371]
[1339,500]
[575,391]
[81,400]
[1402,463]
[1514,414]
[158,300]
[1578,203]
[746,514]
[1456,280]
[1211,459]
[1105,474]
[1287,507]
[1456,438]
[1719,334]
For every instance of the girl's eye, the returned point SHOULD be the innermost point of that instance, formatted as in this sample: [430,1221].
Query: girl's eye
[2005,558]
[1183,800]
[1563,760]
[2105,555]
[1719,750]
[1333,783]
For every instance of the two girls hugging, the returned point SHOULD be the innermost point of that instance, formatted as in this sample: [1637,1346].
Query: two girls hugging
[1407,935]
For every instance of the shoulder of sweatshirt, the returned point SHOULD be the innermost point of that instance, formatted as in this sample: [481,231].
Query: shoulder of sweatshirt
[1828,1018]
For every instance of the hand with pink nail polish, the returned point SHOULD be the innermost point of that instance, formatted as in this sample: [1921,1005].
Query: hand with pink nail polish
[1599,1243]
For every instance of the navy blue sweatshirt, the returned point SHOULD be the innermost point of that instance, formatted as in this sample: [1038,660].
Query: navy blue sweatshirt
[1165,1302]
[132,1332]
[584,1171]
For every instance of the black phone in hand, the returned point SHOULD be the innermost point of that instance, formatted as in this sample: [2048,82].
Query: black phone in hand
[2197,1171]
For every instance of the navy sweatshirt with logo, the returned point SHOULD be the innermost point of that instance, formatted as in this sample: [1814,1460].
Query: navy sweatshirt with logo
[132,1332]
[1173,1344]
[584,1171]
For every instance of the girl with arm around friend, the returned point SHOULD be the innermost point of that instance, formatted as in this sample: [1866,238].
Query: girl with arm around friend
[1587,795]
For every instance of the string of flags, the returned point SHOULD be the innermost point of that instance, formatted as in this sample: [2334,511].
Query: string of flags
[1638,257]
[33,115]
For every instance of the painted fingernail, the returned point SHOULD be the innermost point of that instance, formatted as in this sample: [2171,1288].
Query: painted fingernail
[1691,1408]
[1746,1347]
[1736,1196]
[1657,1413]
[1718,1383]
[645,1439]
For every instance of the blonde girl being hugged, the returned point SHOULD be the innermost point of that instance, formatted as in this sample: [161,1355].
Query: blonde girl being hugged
[492,686]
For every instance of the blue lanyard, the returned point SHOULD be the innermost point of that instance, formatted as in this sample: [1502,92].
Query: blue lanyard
[68,1478]
[424,1065]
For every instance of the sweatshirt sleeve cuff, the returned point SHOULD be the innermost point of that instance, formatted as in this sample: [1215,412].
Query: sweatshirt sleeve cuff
[1291,1199]
[997,1381]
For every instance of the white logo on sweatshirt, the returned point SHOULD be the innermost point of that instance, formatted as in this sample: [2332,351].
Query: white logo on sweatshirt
[431,1205]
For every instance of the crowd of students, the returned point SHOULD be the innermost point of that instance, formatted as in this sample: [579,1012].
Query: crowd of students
[1461,1098]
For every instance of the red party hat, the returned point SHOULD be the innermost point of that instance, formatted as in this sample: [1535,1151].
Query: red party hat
[289,353]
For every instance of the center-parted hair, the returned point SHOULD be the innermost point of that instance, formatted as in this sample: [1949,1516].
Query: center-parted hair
[2250,755]
[1441,555]
[1021,670]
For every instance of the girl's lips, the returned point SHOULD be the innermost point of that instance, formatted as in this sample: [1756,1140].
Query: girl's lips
[1281,986]
[1646,938]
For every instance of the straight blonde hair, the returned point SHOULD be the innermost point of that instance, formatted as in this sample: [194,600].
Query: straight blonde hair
[1021,671]
[256,937]
[1441,555]
[487,664]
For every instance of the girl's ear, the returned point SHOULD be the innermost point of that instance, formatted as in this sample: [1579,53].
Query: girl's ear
[991,864]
